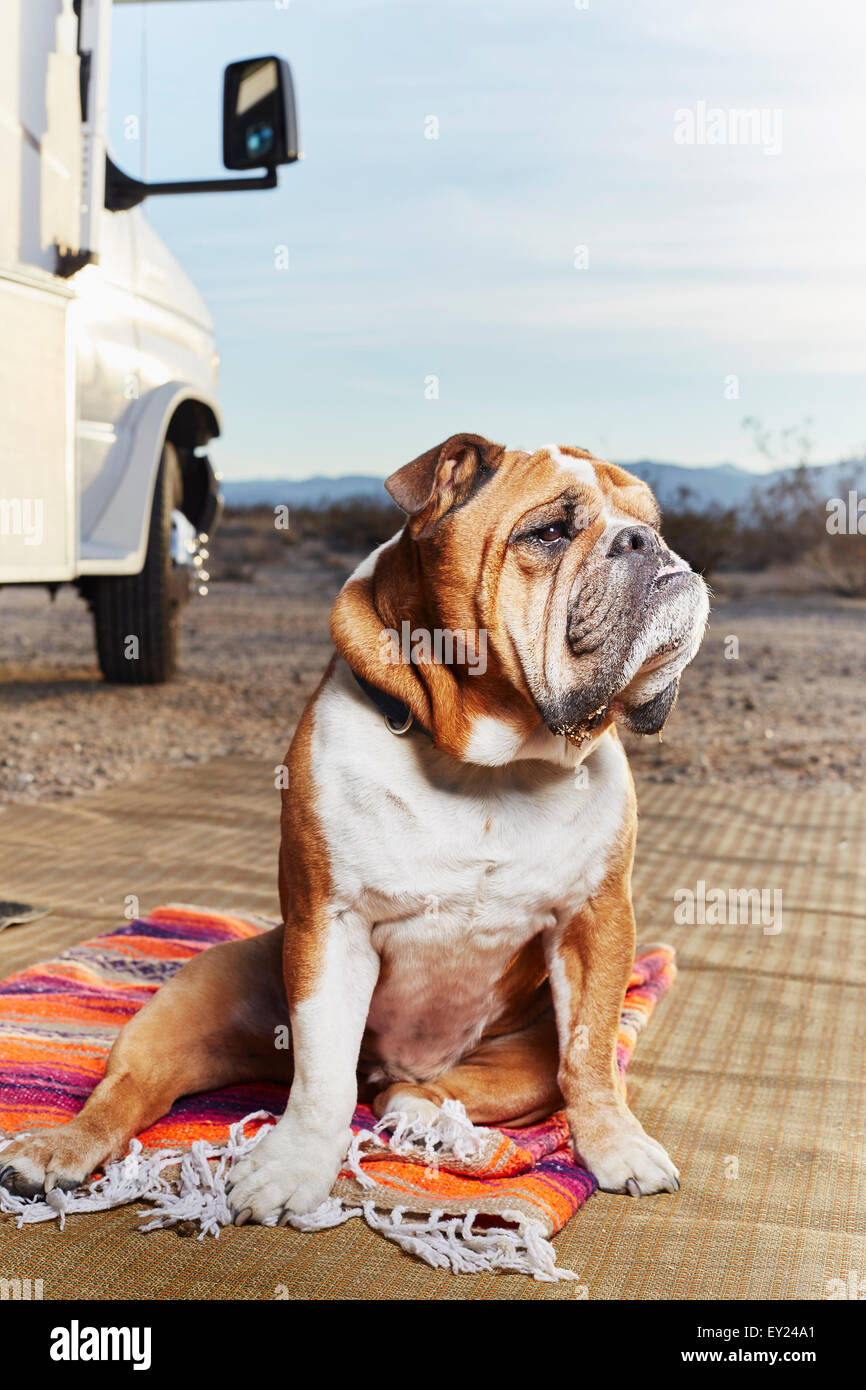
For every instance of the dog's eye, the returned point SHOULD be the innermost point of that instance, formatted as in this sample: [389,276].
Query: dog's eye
[551,533]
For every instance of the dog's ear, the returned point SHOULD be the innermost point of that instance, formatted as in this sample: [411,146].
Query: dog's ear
[443,478]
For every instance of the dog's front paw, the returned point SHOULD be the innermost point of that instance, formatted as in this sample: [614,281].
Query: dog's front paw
[45,1159]
[622,1157]
[285,1173]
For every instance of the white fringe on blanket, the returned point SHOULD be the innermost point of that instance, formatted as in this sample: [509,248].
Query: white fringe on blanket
[450,1132]
[197,1193]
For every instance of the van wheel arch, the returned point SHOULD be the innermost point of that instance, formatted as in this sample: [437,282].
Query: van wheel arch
[191,427]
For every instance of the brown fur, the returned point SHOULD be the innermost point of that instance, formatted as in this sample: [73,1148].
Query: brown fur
[462,578]
[508,1079]
[596,950]
[304,864]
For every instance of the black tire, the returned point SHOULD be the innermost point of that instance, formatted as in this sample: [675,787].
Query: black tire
[144,606]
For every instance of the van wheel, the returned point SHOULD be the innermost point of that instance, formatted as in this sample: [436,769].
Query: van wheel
[137,616]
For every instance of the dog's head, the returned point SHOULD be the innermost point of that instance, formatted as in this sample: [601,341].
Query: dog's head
[554,562]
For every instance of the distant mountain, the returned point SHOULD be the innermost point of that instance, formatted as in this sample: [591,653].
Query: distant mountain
[306,492]
[723,484]
[720,484]
[726,485]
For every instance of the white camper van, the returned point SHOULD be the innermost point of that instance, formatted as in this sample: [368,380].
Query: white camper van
[108,365]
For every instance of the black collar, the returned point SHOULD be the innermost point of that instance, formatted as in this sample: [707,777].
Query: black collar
[398,717]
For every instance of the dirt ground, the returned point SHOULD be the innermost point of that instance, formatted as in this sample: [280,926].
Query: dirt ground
[781,705]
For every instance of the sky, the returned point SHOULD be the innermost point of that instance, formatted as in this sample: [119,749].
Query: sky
[592,251]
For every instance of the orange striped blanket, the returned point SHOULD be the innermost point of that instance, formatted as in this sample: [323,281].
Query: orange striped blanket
[458,1196]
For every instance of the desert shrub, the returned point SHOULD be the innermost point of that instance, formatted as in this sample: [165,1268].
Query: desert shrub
[839,565]
[840,559]
[783,524]
[787,524]
[783,520]
[245,540]
[248,539]
[705,537]
[358,524]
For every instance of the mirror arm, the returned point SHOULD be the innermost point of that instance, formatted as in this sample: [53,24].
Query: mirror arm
[123,192]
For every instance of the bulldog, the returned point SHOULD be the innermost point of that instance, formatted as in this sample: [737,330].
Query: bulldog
[457,844]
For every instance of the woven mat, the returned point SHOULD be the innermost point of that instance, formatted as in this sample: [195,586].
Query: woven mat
[761,1056]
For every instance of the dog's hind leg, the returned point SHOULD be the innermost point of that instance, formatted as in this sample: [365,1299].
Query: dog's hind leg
[509,1079]
[213,1024]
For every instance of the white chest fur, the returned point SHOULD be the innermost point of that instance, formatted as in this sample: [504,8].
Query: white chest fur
[453,867]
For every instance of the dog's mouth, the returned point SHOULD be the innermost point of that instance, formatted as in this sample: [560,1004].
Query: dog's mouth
[671,573]
[662,655]
[628,663]
[578,733]
[670,580]
[650,716]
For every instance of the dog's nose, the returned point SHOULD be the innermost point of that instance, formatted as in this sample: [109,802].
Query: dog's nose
[635,539]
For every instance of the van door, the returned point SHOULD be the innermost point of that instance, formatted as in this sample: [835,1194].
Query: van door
[108,366]
[38,495]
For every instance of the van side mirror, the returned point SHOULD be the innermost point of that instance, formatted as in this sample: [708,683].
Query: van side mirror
[260,131]
[260,126]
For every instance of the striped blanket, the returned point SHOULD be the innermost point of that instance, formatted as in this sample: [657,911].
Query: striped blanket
[458,1196]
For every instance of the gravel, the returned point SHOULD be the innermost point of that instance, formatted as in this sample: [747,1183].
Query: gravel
[786,711]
